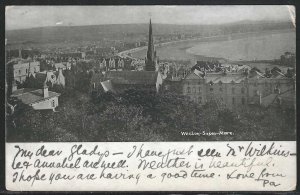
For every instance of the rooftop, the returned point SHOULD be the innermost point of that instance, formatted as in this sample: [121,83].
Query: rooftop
[23,63]
[227,78]
[59,65]
[132,77]
[29,96]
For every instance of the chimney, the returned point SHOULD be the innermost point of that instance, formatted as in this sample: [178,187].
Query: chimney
[45,91]
[60,71]
[28,69]
[20,53]
[260,101]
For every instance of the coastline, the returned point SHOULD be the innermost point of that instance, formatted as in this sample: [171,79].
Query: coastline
[207,39]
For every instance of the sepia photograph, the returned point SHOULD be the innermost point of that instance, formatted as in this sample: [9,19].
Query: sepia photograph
[150,73]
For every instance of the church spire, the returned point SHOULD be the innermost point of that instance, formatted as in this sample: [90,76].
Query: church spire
[151,54]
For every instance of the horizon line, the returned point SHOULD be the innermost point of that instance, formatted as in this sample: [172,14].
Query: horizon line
[186,24]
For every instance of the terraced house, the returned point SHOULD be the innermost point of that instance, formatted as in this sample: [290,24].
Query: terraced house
[238,89]
[19,70]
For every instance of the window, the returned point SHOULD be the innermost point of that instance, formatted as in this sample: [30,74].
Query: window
[221,89]
[19,72]
[199,89]
[233,90]
[188,89]
[26,70]
[243,90]
[53,103]
[200,100]
[194,89]
[243,100]
[94,85]
[233,100]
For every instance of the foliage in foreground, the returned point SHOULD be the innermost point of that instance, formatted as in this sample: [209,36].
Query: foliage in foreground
[144,116]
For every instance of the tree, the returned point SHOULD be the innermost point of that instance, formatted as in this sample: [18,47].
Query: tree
[25,124]
[140,115]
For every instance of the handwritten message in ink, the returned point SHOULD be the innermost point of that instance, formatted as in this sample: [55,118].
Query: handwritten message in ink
[167,166]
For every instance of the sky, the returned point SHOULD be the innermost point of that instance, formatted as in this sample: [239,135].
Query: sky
[20,17]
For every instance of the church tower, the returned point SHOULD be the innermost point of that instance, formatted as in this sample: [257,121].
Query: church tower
[151,53]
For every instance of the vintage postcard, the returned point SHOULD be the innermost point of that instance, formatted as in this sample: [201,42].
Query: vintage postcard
[150,98]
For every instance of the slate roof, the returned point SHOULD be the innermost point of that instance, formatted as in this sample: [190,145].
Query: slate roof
[255,74]
[59,65]
[29,96]
[132,77]
[228,78]
[277,74]
[17,63]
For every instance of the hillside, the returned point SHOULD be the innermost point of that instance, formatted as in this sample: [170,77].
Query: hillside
[118,31]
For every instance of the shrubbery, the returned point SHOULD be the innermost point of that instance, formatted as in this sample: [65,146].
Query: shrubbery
[144,116]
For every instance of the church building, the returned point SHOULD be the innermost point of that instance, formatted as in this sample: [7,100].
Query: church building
[151,59]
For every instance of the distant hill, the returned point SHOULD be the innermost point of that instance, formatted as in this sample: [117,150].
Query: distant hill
[115,31]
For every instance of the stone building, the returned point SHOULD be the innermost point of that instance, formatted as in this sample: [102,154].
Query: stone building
[236,89]
[22,69]
[120,64]
[51,78]
[59,65]
[112,63]
[144,80]
[38,99]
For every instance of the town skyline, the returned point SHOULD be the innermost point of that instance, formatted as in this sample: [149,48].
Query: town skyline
[235,78]
[21,17]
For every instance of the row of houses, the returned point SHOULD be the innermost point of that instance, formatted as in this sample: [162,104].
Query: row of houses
[235,90]
[18,69]
[112,63]
[232,90]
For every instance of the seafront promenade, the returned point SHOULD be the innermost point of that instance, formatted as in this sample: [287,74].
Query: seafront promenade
[235,36]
